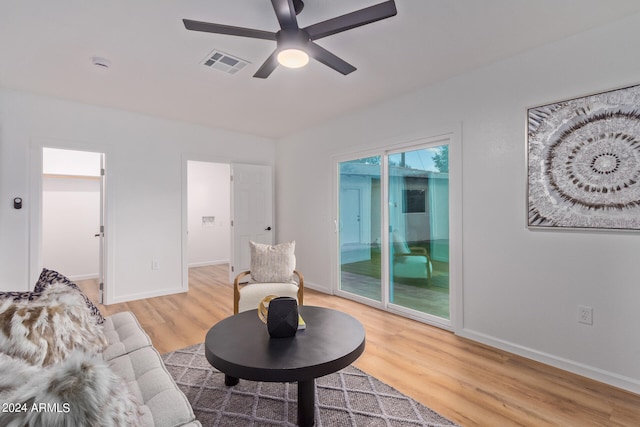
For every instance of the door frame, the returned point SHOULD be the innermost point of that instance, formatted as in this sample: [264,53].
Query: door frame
[36,208]
[335,245]
[185,159]
[452,134]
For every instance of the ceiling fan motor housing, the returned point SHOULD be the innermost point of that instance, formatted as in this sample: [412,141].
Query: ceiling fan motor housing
[292,39]
[298,5]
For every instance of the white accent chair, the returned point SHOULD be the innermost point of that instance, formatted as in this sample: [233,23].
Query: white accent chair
[248,296]
[410,262]
[272,272]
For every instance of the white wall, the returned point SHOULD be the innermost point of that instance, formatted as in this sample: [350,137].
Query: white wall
[521,288]
[144,159]
[209,196]
[70,220]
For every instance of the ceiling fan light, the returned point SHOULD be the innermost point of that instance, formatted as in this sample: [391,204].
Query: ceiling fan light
[293,58]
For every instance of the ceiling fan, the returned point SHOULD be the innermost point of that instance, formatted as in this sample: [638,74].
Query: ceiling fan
[294,45]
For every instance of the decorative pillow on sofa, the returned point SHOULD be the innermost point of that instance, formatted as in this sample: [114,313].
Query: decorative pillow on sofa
[48,277]
[272,263]
[20,296]
[81,391]
[49,329]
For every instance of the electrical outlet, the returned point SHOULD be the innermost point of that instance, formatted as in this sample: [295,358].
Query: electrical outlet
[155,265]
[585,315]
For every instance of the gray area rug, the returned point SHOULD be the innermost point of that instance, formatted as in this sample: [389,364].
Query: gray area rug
[347,398]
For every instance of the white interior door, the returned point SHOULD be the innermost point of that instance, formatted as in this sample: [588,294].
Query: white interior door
[251,212]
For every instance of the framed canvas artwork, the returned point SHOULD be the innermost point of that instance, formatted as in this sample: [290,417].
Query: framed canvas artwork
[583,159]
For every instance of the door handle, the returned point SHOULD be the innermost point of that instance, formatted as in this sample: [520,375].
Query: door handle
[268,229]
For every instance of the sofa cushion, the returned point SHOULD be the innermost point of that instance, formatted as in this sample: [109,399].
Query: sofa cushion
[48,277]
[49,329]
[124,335]
[152,385]
[272,263]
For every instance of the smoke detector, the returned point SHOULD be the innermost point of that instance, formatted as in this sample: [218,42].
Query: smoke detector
[224,62]
[101,62]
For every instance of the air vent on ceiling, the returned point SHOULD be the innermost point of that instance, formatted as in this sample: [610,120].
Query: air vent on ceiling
[224,62]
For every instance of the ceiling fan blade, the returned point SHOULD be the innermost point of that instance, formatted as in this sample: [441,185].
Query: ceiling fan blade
[320,54]
[352,20]
[268,66]
[208,27]
[286,14]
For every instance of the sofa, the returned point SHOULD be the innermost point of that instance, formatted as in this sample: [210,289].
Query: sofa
[64,364]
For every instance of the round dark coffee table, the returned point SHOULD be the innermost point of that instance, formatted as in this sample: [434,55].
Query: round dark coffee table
[240,347]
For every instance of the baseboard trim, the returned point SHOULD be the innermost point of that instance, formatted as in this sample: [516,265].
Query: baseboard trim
[319,288]
[208,263]
[596,374]
[78,277]
[145,295]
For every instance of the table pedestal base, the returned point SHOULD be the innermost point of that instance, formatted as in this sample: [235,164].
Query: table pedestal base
[306,403]
[230,381]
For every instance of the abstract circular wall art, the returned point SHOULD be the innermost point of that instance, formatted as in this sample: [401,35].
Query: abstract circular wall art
[584,162]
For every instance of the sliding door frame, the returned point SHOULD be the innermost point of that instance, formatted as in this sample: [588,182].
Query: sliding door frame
[336,270]
[452,138]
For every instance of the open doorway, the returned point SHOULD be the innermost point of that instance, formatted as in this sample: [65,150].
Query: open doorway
[208,214]
[73,218]
[215,192]
[224,206]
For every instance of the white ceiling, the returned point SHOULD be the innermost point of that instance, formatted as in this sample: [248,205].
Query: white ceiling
[46,47]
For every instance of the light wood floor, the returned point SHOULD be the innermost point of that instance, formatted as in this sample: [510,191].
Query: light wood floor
[469,383]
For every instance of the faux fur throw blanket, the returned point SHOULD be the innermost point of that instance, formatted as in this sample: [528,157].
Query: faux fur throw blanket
[49,329]
[51,369]
[80,391]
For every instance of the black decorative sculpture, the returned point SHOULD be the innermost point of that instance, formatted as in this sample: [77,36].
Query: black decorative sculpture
[280,314]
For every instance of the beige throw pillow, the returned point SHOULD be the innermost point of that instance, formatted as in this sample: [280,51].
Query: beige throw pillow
[272,263]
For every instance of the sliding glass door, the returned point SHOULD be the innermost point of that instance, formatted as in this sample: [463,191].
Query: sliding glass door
[359,225]
[393,230]
[418,215]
